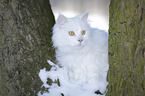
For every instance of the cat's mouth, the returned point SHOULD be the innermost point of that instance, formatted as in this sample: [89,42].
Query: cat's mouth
[80,45]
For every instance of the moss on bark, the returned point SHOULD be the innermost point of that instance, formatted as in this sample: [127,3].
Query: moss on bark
[126,48]
[25,45]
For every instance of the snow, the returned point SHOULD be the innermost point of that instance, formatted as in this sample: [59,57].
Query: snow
[67,87]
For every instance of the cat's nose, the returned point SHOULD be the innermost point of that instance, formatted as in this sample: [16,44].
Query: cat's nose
[80,40]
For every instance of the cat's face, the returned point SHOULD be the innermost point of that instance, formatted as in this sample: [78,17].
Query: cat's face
[72,32]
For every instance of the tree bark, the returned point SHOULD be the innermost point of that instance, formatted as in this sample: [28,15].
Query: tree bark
[126,74]
[25,45]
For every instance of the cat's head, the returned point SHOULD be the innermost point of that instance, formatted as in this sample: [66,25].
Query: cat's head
[71,32]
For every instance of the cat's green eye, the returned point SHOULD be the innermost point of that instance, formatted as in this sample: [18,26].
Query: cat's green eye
[71,33]
[83,32]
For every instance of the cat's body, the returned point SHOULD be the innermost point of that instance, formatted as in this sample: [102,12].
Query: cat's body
[83,53]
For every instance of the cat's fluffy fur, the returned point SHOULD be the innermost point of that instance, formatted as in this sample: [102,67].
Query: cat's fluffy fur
[86,60]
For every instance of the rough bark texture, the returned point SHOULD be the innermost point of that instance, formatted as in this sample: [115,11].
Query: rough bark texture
[25,45]
[126,74]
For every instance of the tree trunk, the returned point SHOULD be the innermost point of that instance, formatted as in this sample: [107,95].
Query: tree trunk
[126,74]
[25,45]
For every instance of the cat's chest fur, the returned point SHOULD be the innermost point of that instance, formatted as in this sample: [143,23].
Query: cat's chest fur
[77,65]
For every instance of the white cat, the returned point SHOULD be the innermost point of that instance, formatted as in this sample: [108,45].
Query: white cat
[82,51]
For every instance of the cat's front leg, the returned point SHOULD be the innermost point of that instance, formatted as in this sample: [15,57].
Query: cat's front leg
[99,80]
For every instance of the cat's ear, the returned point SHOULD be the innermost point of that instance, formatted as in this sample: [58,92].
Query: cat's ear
[84,16]
[61,19]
